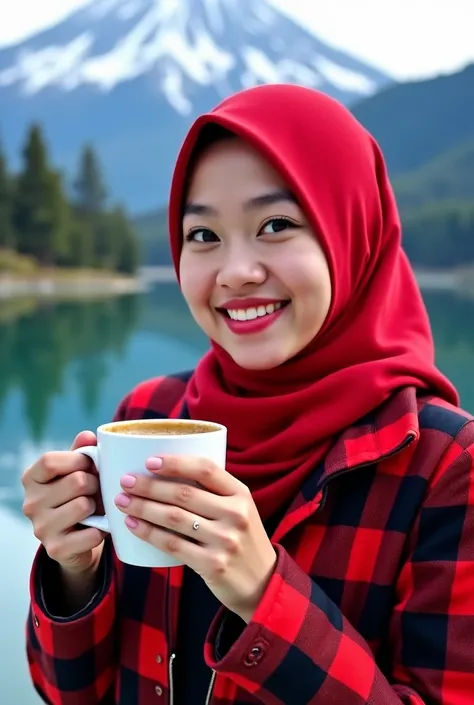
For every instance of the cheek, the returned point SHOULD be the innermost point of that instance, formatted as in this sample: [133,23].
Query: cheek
[313,301]
[323,290]
[311,284]
[195,283]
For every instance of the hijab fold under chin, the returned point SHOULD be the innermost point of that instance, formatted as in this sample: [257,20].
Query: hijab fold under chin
[376,338]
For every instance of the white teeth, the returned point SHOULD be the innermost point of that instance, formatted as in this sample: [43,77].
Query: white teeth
[249,314]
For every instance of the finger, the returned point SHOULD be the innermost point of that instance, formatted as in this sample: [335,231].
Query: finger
[200,470]
[180,494]
[170,517]
[77,484]
[84,438]
[56,463]
[72,513]
[191,554]
[66,547]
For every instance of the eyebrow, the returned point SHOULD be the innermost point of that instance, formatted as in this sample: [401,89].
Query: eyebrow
[266,199]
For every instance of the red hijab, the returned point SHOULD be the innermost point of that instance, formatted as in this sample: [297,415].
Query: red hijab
[376,338]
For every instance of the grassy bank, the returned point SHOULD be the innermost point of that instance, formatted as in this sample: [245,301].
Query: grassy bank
[21,276]
[58,286]
[458,279]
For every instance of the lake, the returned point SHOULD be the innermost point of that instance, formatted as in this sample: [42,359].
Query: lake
[64,367]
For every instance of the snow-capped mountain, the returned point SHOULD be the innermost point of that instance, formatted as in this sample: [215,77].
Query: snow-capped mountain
[130,75]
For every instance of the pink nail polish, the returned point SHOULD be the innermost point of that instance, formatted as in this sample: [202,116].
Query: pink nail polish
[131,522]
[122,500]
[128,481]
[154,463]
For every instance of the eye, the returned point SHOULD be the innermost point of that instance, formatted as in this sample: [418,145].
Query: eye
[201,235]
[277,225]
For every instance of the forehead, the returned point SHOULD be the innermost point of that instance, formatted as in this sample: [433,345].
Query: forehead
[231,165]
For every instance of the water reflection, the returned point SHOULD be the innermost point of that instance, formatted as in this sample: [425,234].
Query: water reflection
[65,366]
[452,319]
[37,346]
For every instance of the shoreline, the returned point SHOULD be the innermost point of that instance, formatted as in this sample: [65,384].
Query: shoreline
[90,284]
[460,280]
[68,285]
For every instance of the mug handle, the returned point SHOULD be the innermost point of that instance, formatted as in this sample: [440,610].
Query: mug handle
[96,521]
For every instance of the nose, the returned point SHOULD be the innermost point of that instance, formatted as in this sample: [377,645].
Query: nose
[240,267]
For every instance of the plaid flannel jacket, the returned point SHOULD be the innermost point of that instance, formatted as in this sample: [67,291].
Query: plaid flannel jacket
[371,601]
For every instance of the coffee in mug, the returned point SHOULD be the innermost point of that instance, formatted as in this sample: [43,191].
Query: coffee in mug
[180,427]
[122,448]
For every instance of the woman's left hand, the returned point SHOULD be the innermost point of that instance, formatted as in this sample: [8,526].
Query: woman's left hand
[221,536]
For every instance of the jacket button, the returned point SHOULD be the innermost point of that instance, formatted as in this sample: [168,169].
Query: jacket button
[36,621]
[158,690]
[254,656]
[159,659]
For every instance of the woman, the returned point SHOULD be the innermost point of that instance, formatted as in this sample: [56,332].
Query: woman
[333,554]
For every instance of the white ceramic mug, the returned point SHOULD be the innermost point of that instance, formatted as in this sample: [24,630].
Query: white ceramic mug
[117,454]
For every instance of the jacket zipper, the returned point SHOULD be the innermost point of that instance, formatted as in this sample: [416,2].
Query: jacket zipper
[170,632]
[211,688]
[170,678]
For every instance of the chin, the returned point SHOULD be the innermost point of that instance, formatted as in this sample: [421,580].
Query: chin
[258,361]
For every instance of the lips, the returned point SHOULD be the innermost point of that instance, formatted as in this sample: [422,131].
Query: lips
[253,319]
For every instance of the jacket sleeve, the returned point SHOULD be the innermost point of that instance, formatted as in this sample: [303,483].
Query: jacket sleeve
[300,649]
[73,660]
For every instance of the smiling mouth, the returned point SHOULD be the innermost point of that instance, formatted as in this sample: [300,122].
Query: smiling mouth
[254,312]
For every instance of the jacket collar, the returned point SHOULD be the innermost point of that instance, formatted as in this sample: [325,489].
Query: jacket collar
[382,434]
[379,435]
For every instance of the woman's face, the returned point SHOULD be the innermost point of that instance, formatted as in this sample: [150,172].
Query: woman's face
[252,271]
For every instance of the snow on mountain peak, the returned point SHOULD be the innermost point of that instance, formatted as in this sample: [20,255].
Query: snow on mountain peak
[182,45]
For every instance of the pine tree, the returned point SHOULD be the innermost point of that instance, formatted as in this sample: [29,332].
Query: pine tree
[81,253]
[105,242]
[126,242]
[89,204]
[91,194]
[60,219]
[7,239]
[32,186]
[41,209]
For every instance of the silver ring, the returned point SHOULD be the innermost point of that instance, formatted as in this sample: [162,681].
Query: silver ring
[196,525]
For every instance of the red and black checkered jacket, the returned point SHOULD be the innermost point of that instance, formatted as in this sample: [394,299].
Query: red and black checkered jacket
[371,601]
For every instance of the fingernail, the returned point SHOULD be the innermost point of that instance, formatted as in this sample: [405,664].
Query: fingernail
[122,500]
[131,522]
[154,463]
[128,481]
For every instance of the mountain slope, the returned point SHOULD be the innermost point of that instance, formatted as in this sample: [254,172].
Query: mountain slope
[130,75]
[417,121]
[449,176]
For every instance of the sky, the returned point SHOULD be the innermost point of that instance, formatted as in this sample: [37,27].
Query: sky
[409,39]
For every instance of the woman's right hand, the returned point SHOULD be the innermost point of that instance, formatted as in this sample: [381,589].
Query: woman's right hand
[61,489]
